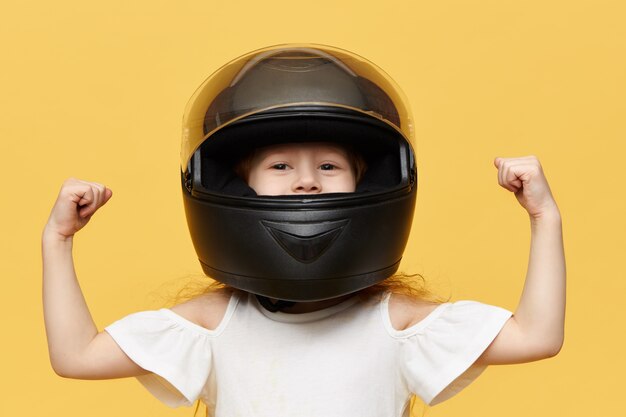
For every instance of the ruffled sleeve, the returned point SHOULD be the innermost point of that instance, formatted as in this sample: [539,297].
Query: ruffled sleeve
[177,352]
[438,354]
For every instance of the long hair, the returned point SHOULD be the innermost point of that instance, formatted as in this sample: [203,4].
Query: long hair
[410,285]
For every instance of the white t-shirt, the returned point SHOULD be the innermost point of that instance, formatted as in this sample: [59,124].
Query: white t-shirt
[343,361]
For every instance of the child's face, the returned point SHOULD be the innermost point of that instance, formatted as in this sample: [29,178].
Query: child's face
[302,168]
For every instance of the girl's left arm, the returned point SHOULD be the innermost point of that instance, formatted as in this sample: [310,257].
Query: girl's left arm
[536,330]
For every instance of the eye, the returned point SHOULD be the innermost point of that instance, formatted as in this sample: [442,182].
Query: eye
[327,167]
[280,167]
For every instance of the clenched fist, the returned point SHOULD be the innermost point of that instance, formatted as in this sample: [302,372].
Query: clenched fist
[77,201]
[524,177]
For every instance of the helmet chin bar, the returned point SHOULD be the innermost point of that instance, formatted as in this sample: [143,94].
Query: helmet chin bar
[300,252]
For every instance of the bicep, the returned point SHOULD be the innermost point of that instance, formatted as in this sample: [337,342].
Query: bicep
[514,345]
[102,359]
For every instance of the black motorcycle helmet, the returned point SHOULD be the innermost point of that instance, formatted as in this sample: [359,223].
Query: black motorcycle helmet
[303,247]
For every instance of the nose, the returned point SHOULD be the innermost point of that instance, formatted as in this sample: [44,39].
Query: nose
[306,183]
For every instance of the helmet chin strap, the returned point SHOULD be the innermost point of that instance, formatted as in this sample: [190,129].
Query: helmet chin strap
[279,305]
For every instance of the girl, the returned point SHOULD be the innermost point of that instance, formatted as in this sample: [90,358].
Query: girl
[297,344]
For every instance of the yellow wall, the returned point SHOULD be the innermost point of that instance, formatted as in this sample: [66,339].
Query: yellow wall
[96,90]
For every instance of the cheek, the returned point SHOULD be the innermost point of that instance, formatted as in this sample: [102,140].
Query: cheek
[350,179]
[344,183]
[265,184]
[351,184]
[255,181]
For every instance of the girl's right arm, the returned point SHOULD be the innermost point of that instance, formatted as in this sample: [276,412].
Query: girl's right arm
[76,348]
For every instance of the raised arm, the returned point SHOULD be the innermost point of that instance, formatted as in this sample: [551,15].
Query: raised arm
[77,349]
[536,330]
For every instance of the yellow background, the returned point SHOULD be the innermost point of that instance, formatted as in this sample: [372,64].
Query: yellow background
[97,91]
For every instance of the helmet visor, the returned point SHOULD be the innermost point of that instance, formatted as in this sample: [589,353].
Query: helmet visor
[291,76]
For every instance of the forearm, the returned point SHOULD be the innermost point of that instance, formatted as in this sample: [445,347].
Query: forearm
[541,310]
[69,326]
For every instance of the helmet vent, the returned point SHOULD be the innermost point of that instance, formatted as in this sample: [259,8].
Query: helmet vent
[305,242]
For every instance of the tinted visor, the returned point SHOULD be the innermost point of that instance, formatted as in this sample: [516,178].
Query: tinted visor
[283,78]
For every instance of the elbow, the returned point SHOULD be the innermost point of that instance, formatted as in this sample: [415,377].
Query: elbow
[549,349]
[64,368]
[557,344]
[69,372]
[60,371]
[555,349]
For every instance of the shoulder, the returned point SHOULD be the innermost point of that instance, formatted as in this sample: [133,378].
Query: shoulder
[406,311]
[206,310]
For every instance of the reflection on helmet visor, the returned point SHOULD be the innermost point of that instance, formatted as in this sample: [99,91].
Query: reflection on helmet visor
[287,77]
